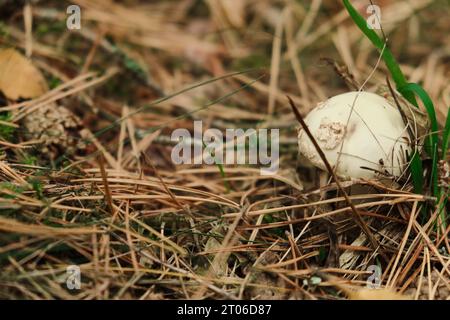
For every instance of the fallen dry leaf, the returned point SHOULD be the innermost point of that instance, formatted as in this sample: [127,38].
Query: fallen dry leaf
[19,78]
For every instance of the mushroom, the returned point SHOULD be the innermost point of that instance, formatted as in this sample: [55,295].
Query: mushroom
[361,134]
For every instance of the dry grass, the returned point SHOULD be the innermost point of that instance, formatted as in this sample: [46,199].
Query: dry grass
[140,227]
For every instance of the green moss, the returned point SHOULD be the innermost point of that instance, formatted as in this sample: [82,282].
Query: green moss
[6,132]
[56,26]
[11,187]
[54,82]
[252,61]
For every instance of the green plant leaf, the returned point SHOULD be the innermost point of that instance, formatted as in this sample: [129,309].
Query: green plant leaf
[431,142]
[387,55]
[428,103]
[417,173]
[446,136]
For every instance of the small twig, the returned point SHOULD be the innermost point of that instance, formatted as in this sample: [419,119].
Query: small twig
[28,25]
[343,72]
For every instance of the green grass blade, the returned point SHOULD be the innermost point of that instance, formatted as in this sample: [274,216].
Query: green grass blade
[417,173]
[445,142]
[407,90]
[423,95]
[387,55]
[446,136]
[432,139]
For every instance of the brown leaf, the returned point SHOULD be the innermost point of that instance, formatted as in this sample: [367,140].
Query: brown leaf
[19,78]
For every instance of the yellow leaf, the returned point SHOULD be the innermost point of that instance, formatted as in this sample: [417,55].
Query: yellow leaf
[363,293]
[19,78]
[375,294]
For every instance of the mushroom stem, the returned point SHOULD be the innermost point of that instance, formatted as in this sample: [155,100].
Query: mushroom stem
[357,217]
[323,181]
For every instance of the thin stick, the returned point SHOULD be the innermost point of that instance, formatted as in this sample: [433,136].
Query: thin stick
[28,24]
[108,196]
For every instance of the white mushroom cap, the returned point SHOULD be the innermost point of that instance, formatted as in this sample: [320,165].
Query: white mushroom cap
[374,136]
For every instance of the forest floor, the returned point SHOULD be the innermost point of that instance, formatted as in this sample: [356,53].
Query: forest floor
[88,182]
